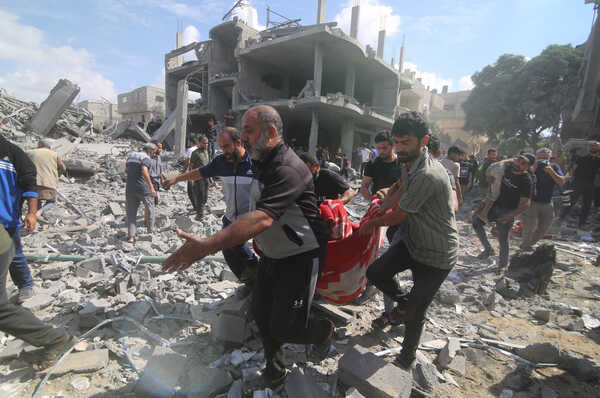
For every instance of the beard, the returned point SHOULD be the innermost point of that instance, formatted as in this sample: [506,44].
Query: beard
[411,156]
[258,150]
[234,156]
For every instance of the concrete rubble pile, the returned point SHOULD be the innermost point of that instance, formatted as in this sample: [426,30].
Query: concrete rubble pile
[529,333]
[56,117]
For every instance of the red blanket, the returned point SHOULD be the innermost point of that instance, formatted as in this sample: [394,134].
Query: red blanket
[343,278]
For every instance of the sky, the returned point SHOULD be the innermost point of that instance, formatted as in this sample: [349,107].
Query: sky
[109,47]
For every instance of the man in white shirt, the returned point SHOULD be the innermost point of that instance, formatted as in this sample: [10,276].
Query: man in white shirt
[366,156]
[452,163]
[191,147]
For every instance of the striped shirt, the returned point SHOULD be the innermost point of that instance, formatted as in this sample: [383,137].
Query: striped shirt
[430,229]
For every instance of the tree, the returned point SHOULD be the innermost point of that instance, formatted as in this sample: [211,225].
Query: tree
[524,99]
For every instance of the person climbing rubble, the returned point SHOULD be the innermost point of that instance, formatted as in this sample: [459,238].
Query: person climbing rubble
[139,188]
[49,167]
[286,226]
[429,247]
[237,171]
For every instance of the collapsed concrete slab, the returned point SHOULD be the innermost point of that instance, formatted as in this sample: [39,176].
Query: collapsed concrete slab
[373,376]
[128,128]
[61,96]
[83,362]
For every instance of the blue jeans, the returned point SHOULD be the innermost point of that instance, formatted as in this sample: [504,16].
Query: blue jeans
[19,270]
[239,257]
[503,232]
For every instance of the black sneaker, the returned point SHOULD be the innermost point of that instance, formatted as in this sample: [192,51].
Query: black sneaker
[273,375]
[320,351]
[404,361]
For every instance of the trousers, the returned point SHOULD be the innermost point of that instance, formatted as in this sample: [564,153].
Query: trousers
[239,257]
[536,221]
[503,232]
[585,191]
[20,322]
[19,269]
[281,301]
[133,200]
[427,281]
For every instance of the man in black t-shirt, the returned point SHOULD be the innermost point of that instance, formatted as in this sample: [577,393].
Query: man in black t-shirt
[285,223]
[466,173]
[516,190]
[584,171]
[328,184]
[383,171]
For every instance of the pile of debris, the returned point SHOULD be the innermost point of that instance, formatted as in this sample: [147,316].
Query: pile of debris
[55,117]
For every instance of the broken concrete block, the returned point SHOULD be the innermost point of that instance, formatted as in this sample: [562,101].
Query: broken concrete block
[205,382]
[38,302]
[425,375]
[162,373]
[373,376]
[580,367]
[12,350]
[230,328]
[508,288]
[137,310]
[298,385]
[449,351]
[353,393]
[94,264]
[61,96]
[80,168]
[184,223]
[83,362]
[227,275]
[333,312]
[51,274]
[458,365]
[543,315]
[548,352]
[116,209]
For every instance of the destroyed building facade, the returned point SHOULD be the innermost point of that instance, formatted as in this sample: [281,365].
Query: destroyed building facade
[105,113]
[142,104]
[328,89]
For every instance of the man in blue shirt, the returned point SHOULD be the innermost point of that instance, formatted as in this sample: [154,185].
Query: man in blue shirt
[237,171]
[139,189]
[538,218]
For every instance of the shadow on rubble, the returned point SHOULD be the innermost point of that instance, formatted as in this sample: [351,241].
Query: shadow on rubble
[530,383]
[594,335]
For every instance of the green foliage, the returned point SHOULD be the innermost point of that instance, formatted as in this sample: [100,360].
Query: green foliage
[524,99]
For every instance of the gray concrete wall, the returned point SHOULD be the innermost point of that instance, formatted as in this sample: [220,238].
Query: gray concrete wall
[140,100]
[251,80]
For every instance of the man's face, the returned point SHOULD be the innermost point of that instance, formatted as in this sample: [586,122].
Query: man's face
[520,165]
[455,157]
[254,137]
[595,150]
[231,149]
[385,150]
[407,148]
[542,156]
[493,156]
[158,149]
[203,144]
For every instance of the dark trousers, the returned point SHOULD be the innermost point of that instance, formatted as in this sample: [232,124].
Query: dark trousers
[280,302]
[191,196]
[200,193]
[19,270]
[427,280]
[239,257]
[362,168]
[581,190]
[503,232]
[20,322]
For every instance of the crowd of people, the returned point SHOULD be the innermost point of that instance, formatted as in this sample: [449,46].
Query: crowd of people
[272,194]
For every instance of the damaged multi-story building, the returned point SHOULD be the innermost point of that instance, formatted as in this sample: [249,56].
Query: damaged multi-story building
[328,89]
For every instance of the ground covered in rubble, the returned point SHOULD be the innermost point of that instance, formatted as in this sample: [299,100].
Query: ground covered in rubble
[182,332]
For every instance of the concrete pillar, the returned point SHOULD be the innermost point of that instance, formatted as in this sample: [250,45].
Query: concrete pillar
[179,43]
[181,113]
[321,11]
[381,44]
[401,60]
[354,21]
[318,68]
[350,80]
[347,138]
[314,133]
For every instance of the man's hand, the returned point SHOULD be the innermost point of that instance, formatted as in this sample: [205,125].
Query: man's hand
[168,182]
[367,227]
[153,193]
[29,222]
[194,249]
[549,170]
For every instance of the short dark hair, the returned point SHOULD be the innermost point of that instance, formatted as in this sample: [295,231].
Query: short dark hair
[410,123]
[491,150]
[433,145]
[232,132]
[308,158]
[383,136]
[454,149]
[200,138]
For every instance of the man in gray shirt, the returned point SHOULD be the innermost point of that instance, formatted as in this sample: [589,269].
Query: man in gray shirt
[139,188]
[426,217]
